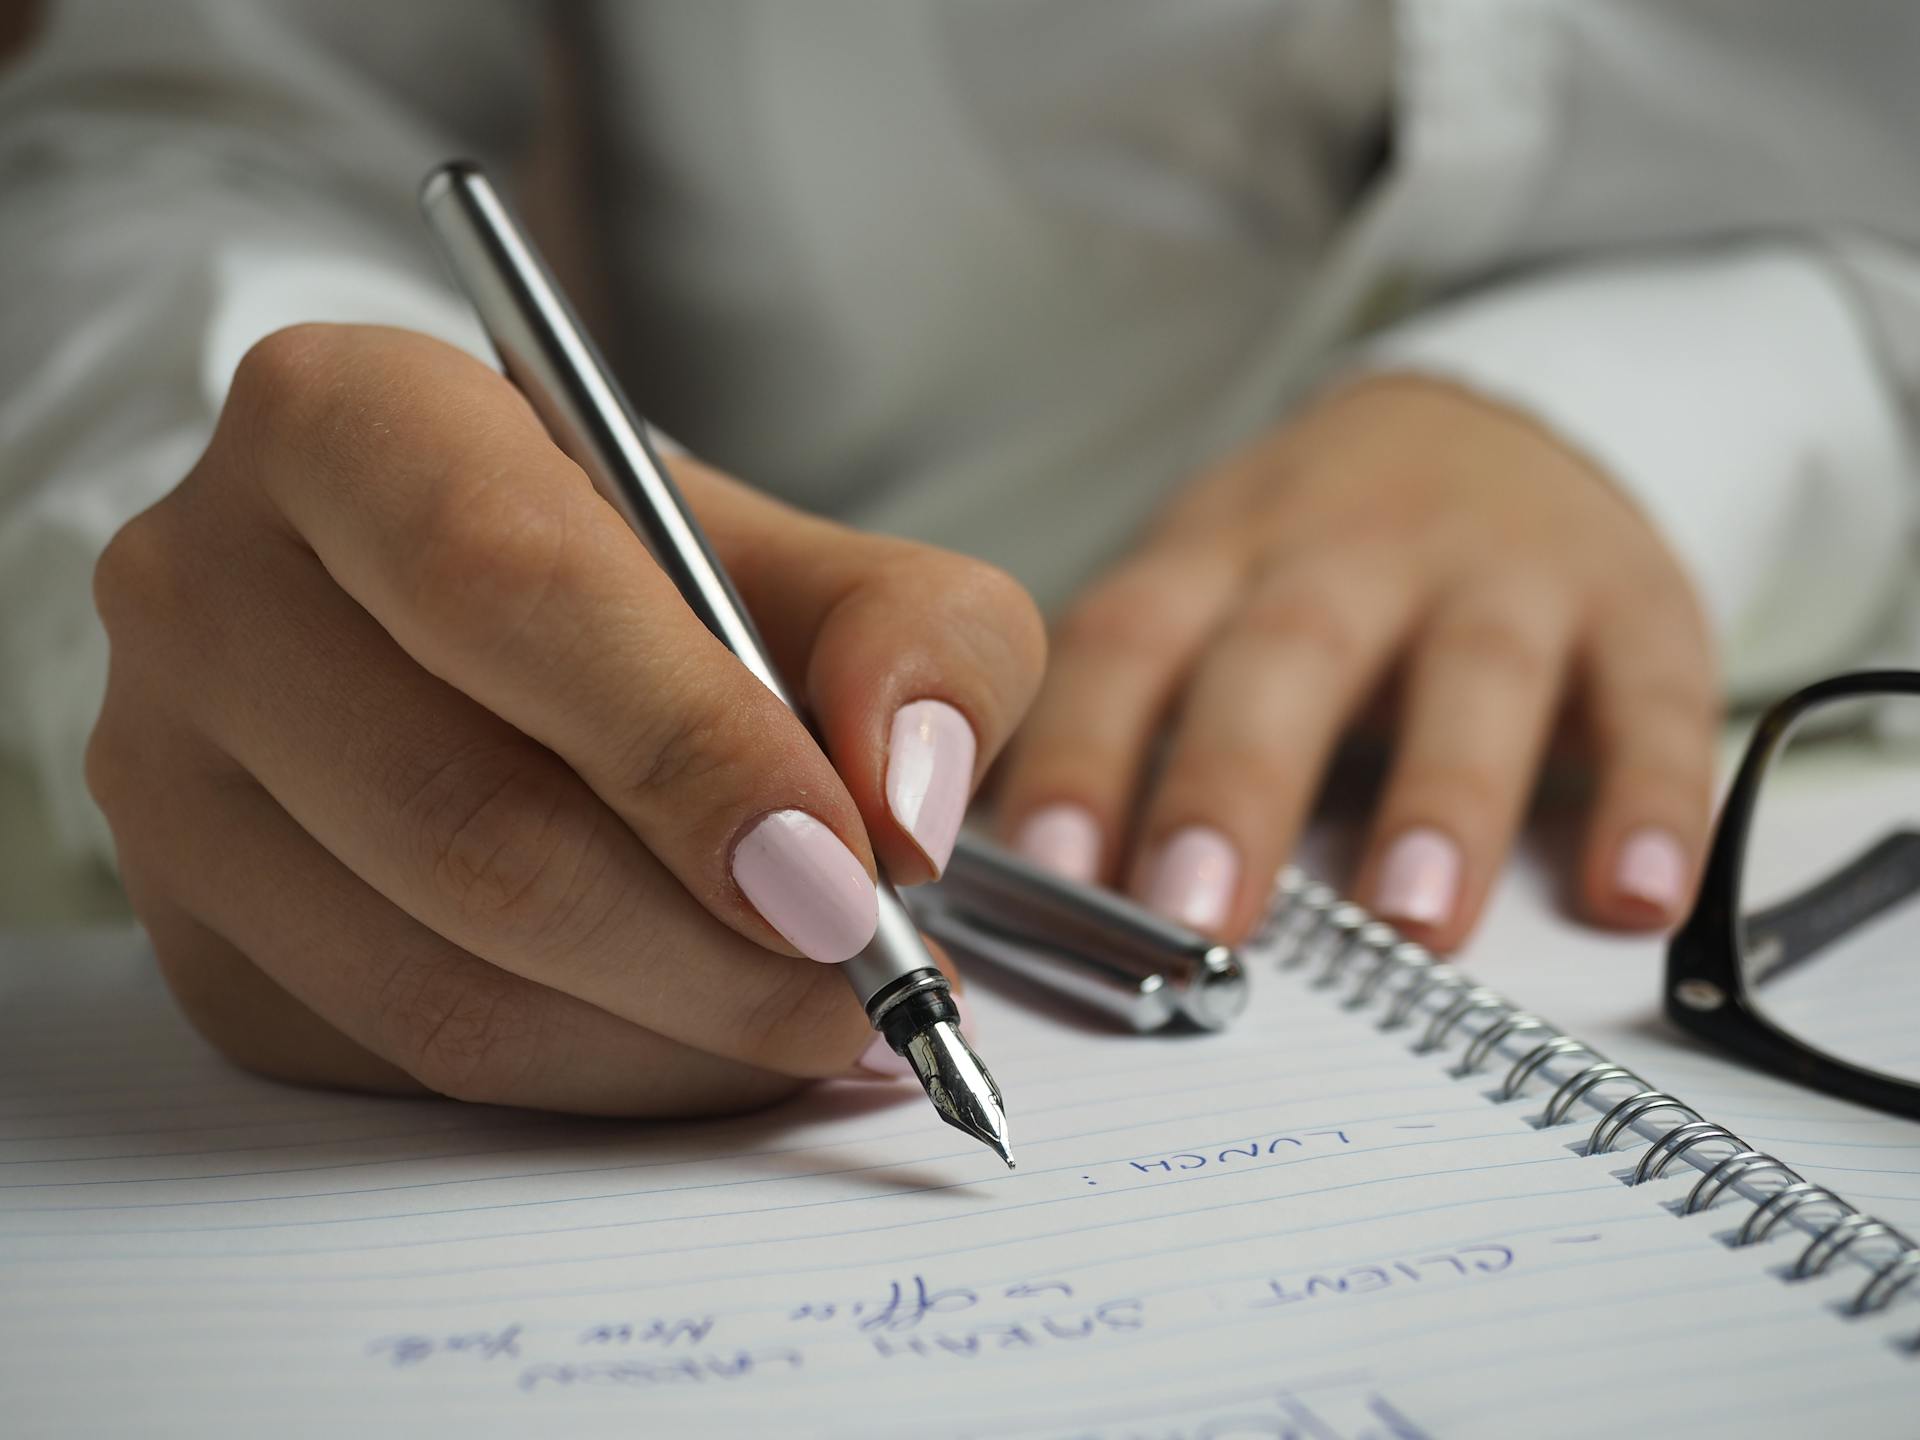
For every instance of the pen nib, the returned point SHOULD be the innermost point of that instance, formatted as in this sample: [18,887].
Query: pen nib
[959,1085]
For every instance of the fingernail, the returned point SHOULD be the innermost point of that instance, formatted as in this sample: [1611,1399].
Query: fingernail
[878,1060]
[1194,876]
[1652,868]
[930,775]
[1064,839]
[1420,879]
[807,885]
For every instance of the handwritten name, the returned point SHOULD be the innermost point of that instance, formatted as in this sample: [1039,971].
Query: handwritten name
[969,1343]
[1466,1261]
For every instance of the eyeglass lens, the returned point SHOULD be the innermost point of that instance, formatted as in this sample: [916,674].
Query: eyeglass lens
[1830,888]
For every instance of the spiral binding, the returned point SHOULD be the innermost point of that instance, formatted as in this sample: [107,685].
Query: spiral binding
[1311,928]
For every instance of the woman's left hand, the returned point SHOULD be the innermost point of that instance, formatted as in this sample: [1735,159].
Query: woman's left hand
[1399,527]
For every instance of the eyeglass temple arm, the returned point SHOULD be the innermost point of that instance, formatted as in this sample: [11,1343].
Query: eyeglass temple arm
[1784,935]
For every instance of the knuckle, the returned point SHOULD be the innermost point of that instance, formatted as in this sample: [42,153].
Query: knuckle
[683,744]
[1678,710]
[136,574]
[1231,777]
[460,1029]
[1685,702]
[990,623]
[283,375]
[181,967]
[505,848]
[803,1024]
[141,769]
[311,402]
[1662,784]
[1497,645]
[1656,605]
[1126,615]
[1300,619]
[1006,628]
[485,554]
[107,775]
[214,991]
[984,589]
[1465,793]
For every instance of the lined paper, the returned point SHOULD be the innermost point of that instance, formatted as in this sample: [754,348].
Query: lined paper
[1297,1228]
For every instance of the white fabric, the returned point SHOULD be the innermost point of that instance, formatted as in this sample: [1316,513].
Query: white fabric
[1774,467]
[1001,275]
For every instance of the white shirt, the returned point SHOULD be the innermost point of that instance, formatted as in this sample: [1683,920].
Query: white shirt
[1001,274]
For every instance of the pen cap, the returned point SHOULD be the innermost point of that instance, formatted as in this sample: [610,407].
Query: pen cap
[1143,1003]
[1090,943]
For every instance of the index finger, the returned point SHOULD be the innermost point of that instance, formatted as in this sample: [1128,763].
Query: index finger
[445,511]
[917,663]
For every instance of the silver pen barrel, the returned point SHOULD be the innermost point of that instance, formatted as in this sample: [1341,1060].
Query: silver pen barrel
[548,356]
[1097,947]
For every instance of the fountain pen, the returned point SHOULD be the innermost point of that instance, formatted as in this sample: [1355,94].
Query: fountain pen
[546,353]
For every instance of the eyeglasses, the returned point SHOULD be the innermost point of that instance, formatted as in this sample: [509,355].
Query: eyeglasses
[1802,954]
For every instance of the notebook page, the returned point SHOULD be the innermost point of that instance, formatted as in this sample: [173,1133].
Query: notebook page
[1296,1228]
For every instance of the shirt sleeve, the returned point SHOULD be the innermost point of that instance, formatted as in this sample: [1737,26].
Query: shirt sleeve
[232,178]
[1738,397]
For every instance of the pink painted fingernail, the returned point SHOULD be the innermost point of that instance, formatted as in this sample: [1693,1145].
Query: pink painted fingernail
[1652,868]
[1064,839]
[930,775]
[807,885]
[1194,876]
[1420,879]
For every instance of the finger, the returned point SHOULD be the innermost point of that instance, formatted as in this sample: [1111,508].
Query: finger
[1654,714]
[1260,718]
[451,517]
[918,663]
[446,811]
[1482,686]
[393,989]
[1118,659]
[254,1022]
[961,649]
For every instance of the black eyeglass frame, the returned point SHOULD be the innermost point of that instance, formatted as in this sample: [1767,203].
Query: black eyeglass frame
[1706,986]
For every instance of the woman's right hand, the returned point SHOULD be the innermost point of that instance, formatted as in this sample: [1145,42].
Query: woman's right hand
[422,774]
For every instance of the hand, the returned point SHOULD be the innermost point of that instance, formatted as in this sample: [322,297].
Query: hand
[1398,528]
[422,773]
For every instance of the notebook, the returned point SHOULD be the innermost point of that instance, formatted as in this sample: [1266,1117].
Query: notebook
[1306,1226]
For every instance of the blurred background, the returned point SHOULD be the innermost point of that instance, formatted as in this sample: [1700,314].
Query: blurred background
[38,883]
[930,266]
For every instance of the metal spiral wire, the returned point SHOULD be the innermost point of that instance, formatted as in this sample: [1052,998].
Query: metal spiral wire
[1310,927]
